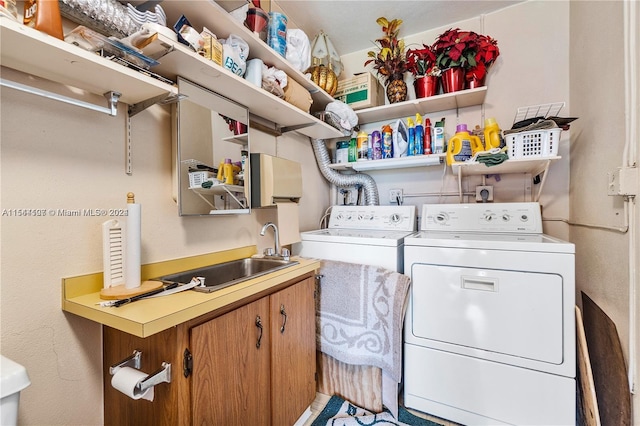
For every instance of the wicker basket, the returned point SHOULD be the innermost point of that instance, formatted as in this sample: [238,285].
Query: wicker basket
[533,144]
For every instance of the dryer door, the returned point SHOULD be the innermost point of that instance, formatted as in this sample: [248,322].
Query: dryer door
[515,313]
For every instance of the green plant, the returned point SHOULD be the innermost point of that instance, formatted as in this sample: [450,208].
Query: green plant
[389,61]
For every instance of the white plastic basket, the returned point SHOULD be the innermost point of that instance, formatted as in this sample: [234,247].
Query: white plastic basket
[197,178]
[533,144]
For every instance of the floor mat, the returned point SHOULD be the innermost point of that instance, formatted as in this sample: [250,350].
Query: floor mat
[339,412]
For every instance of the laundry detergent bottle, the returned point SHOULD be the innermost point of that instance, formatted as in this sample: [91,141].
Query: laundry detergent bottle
[492,137]
[462,145]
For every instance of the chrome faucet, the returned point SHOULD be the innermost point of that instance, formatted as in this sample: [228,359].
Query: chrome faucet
[276,251]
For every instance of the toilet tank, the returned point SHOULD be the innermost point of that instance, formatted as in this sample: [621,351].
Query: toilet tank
[13,379]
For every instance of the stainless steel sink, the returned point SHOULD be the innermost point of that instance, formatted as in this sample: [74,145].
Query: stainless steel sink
[225,274]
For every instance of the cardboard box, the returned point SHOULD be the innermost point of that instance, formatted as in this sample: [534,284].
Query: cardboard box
[297,95]
[361,91]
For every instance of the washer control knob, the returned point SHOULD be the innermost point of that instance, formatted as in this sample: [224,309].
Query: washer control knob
[395,218]
[441,218]
[489,217]
[524,217]
[506,217]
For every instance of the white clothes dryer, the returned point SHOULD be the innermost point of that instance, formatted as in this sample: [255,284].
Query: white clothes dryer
[490,326]
[368,235]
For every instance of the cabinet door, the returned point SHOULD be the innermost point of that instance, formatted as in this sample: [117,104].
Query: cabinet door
[230,372]
[293,343]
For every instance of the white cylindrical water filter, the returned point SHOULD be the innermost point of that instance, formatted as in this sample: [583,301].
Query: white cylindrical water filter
[254,71]
[132,247]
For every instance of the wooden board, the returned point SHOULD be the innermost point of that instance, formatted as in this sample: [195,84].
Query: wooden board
[121,292]
[359,384]
[608,365]
[588,414]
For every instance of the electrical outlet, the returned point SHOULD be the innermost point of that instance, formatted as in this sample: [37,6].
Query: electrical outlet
[395,196]
[347,196]
[484,193]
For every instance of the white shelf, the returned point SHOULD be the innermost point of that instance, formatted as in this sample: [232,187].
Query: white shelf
[33,52]
[409,108]
[226,191]
[532,166]
[242,139]
[209,14]
[184,62]
[392,163]
[220,189]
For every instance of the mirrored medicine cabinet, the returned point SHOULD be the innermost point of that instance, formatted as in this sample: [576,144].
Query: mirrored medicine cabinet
[211,131]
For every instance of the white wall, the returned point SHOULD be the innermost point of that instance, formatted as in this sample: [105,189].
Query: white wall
[597,145]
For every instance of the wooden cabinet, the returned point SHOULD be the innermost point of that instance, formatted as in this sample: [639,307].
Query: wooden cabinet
[231,368]
[293,356]
[251,364]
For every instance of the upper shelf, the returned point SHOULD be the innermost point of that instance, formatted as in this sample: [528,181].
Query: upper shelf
[447,101]
[211,15]
[184,62]
[33,52]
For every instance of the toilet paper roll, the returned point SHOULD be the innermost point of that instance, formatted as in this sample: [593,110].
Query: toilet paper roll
[126,380]
[288,222]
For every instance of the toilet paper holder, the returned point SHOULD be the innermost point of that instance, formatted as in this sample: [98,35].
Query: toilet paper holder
[162,375]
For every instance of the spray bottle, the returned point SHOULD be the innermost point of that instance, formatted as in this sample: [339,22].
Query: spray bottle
[426,148]
[438,137]
[419,135]
[376,141]
[411,131]
[387,142]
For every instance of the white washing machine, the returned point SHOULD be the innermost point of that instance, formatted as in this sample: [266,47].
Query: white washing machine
[369,235]
[490,328]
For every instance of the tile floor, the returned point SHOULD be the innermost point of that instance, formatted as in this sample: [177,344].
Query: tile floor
[322,399]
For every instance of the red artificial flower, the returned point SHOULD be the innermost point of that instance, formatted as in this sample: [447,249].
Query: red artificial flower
[455,48]
[421,61]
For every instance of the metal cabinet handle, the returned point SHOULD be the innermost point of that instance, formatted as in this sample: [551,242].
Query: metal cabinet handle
[284,321]
[259,325]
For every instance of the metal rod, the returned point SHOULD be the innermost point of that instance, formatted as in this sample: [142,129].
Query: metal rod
[112,97]
[130,361]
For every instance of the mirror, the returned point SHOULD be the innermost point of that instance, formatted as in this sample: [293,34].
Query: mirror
[211,131]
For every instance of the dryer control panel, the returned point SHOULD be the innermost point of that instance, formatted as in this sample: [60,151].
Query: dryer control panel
[383,218]
[500,218]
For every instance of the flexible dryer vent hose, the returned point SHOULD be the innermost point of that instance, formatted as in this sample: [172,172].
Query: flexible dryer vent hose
[341,180]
